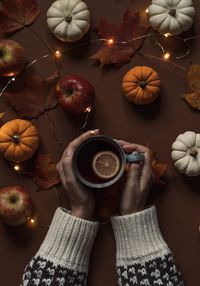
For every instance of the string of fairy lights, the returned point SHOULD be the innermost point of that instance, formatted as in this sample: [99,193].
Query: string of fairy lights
[111,43]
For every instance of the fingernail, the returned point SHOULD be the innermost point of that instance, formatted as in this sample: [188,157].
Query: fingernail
[95,131]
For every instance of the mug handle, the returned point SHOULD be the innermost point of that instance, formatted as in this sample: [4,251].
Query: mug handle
[134,157]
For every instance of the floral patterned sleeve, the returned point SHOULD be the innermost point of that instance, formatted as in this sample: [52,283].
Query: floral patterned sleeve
[64,254]
[143,257]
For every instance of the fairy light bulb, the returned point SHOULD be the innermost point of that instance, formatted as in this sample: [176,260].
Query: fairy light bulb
[88,109]
[31,221]
[13,79]
[147,10]
[17,168]
[58,54]
[167,55]
[110,42]
[167,35]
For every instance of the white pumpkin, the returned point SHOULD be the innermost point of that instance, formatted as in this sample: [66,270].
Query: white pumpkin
[186,153]
[69,20]
[171,16]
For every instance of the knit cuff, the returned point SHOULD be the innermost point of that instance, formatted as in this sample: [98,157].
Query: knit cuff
[138,237]
[69,241]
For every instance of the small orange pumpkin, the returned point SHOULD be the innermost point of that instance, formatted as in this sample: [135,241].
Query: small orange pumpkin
[19,139]
[141,85]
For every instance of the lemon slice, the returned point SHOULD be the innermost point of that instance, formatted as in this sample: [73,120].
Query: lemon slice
[106,165]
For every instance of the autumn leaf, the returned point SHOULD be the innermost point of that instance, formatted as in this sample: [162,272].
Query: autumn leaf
[31,96]
[16,14]
[193,77]
[44,172]
[159,169]
[119,53]
[2,114]
[193,100]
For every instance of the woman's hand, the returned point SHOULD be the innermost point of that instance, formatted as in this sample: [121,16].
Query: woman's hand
[81,198]
[139,180]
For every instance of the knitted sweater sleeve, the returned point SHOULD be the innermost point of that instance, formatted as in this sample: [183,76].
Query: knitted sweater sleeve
[143,257]
[63,256]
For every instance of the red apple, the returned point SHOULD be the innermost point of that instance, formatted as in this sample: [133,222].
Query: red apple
[15,205]
[12,58]
[75,94]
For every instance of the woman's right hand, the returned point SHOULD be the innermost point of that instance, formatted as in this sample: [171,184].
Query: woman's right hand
[139,180]
[80,197]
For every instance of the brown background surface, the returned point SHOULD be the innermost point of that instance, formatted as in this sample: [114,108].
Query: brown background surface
[178,202]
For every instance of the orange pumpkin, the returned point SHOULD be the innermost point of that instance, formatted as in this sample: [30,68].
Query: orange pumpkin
[19,140]
[141,85]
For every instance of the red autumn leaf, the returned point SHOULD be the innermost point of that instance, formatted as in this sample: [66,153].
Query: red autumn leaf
[44,172]
[119,53]
[158,169]
[16,14]
[31,96]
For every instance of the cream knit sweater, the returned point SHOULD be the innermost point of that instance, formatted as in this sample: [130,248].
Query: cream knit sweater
[143,257]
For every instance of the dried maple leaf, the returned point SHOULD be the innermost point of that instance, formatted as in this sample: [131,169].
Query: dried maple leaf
[193,78]
[16,14]
[44,172]
[31,96]
[193,99]
[120,53]
[158,169]
[2,114]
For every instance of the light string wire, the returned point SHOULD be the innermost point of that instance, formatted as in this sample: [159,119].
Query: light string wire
[111,42]
[10,237]
[34,222]
[87,112]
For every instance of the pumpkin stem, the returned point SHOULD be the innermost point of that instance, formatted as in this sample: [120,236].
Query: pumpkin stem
[143,84]
[16,139]
[172,12]
[68,18]
[193,152]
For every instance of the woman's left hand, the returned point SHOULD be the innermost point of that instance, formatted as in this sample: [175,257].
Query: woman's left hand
[139,180]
